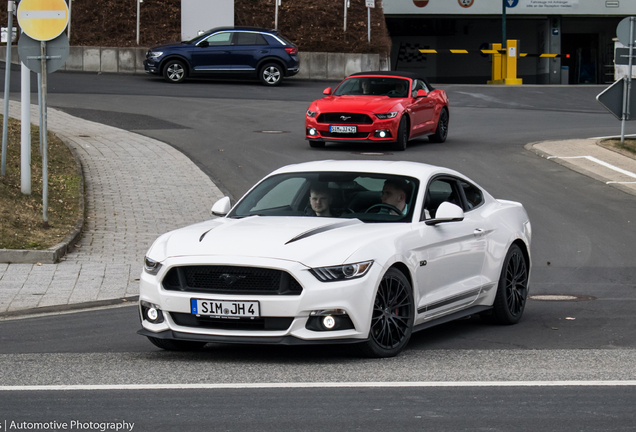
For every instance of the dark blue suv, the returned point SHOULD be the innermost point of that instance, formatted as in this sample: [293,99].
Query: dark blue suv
[227,51]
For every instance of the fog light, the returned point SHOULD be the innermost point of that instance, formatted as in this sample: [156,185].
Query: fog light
[313,132]
[382,133]
[329,322]
[152,314]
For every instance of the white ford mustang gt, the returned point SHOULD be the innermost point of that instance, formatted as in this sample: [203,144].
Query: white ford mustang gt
[359,252]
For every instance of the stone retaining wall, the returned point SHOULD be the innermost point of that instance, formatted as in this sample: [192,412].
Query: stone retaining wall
[313,65]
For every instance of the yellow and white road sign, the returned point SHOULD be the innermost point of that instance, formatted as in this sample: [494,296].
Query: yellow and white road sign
[43,20]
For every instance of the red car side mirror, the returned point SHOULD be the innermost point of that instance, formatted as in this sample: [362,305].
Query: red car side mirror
[327,91]
[421,93]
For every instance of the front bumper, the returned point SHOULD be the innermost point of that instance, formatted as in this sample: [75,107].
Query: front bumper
[354,296]
[366,133]
[151,66]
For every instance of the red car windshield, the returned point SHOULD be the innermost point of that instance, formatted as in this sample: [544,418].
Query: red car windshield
[374,86]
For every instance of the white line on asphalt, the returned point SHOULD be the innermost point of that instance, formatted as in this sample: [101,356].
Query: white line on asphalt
[598,161]
[613,136]
[620,182]
[322,385]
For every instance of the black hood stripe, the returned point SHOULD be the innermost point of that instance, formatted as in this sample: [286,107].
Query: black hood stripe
[324,228]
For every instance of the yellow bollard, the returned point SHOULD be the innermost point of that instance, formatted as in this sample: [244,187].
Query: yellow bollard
[509,65]
[496,65]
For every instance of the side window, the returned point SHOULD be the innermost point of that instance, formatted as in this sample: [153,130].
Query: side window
[439,191]
[474,196]
[250,39]
[220,39]
[418,84]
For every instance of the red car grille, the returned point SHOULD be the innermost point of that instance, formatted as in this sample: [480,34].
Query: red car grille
[345,118]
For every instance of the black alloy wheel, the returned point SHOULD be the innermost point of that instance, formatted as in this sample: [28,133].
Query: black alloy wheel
[271,74]
[174,71]
[176,345]
[442,128]
[393,316]
[513,288]
[403,134]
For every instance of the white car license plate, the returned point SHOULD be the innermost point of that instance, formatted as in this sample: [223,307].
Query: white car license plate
[343,129]
[225,308]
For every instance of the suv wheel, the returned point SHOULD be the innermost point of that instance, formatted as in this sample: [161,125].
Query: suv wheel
[271,74]
[174,71]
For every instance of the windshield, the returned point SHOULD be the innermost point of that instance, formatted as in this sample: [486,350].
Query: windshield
[370,197]
[374,86]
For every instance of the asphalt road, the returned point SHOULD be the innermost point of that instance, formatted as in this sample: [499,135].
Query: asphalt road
[583,239]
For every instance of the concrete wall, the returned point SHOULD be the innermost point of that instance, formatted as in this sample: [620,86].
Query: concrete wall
[313,65]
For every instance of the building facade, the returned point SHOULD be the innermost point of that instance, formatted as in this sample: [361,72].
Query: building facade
[580,32]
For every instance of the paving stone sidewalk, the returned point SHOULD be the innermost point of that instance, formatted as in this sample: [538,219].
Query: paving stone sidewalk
[137,188]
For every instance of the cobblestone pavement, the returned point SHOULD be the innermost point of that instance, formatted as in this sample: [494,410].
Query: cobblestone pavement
[137,188]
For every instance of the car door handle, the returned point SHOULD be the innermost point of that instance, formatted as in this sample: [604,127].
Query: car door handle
[479,232]
[264,51]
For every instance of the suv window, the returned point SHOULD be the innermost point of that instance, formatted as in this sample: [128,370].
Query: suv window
[243,38]
[474,196]
[220,39]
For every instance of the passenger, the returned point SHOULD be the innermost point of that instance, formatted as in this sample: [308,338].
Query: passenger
[320,199]
[395,192]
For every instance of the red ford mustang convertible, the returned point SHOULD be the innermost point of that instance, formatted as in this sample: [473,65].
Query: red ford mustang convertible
[378,107]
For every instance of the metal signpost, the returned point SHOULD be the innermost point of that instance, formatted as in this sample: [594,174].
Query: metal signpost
[370,4]
[7,84]
[625,33]
[43,21]
[276,17]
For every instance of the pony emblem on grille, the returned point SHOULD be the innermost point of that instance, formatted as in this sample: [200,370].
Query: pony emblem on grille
[229,279]
[345,118]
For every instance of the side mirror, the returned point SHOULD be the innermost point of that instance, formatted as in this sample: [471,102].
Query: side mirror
[421,93]
[327,91]
[447,212]
[221,207]
[203,44]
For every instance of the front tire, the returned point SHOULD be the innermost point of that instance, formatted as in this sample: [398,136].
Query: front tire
[176,345]
[403,135]
[512,290]
[175,71]
[442,128]
[393,317]
[271,74]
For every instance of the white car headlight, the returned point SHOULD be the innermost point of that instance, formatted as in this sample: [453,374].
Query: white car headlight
[156,54]
[311,113]
[388,115]
[151,266]
[341,272]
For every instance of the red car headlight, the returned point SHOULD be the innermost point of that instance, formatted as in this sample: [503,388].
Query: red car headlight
[388,115]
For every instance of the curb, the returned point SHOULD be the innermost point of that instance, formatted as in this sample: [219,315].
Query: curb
[571,166]
[53,254]
[69,307]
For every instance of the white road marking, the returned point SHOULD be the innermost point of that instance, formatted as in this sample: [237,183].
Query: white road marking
[42,14]
[598,161]
[322,385]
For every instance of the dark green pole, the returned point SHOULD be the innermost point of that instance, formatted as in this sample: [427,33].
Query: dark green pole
[503,25]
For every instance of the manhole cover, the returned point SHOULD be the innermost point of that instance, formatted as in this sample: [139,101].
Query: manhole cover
[272,132]
[561,297]
[372,153]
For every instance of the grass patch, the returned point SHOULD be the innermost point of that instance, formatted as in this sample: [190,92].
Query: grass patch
[21,215]
[628,148]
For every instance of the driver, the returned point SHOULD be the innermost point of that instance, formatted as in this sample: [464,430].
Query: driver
[394,192]
[401,88]
[320,199]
